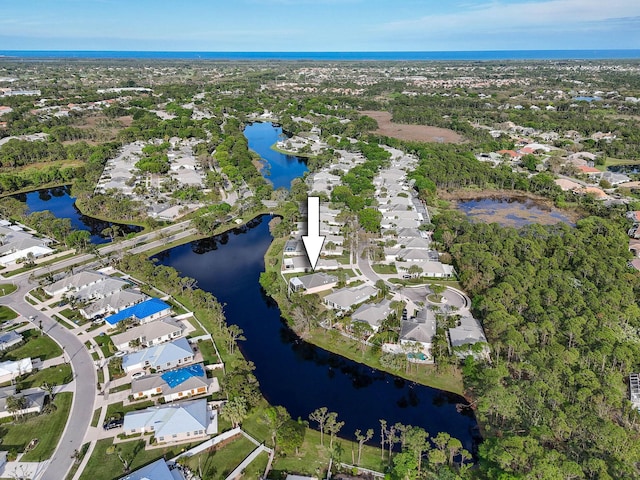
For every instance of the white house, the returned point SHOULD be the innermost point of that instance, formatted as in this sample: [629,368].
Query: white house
[9,339]
[373,313]
[177,384]
[174,422]
[420,329]
[160,357]
[313,283]
[346,298]
[149,334]
[158,470]
[10,370]
[34,400]
[465,334]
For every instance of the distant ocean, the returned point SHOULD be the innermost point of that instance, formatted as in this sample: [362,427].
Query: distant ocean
[330,56]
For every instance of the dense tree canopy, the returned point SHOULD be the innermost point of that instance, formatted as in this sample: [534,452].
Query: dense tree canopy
[560,312]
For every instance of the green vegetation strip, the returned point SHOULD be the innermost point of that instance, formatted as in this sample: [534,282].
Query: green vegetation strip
[47,428]
[105,464]
[7,314]
[220,462]
[58,375]
[118,410]
[36,345]
[96,417]
[7,289]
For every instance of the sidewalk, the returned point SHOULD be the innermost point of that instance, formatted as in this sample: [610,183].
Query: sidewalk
[32,470]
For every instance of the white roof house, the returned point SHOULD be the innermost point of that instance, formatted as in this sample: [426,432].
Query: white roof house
[9,339]
[101,289]
[420,329]
[112,303]
[160,357]
[173,422]
[348,297]
[175,384]
[158,470]
[34,400]
[467,332]
[13,369]
[634,389]
[313,283]
[373,313]
[74,282]
[149,334]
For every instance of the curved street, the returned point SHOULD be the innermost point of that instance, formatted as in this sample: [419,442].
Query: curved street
[84,374]
[84,370]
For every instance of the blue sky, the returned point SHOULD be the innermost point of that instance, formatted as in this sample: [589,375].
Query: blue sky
[318,25]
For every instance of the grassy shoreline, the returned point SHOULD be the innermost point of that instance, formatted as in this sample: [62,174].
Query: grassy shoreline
[293,154]
[332,341]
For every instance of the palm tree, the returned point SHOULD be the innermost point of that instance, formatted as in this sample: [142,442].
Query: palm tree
[16,405]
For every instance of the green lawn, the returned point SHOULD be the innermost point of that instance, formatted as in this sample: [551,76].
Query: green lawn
[7,289]
[121,388]
[105,466]
[96,417]
[58,375]
[7,314]
[76,464]
[117,410]
[73,316]
[47,428]
[383,268]
[36,346]
[345,258]
[450,380]
[39,294]
[65,323]
[107,346]
[609,162]
[15,326]
[220,462]
[314,458]
[208,352]
[257,467]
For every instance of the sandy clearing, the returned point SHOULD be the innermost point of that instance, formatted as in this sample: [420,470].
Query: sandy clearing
[415,133]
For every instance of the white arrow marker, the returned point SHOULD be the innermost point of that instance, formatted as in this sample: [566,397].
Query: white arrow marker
[313,241]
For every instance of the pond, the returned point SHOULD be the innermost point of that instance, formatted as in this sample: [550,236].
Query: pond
[58,200]
[627,169]
[511,211]
[298,375]
[279,168]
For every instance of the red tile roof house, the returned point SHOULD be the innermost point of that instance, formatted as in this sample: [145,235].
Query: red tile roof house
[514,155]
[526,151]
[589,170]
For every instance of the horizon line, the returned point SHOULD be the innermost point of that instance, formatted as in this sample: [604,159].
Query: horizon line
[332,51]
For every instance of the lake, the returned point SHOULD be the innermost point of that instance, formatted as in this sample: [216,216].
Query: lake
[279,169]
[511,211]
[58,200]
[296,374]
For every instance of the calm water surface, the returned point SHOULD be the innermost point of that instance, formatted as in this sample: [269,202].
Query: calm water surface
[280,168]
[59,201]
[293,373]
[511,212]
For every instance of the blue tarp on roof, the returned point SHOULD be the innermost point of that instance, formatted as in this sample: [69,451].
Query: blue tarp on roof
[176,377]
[139,311]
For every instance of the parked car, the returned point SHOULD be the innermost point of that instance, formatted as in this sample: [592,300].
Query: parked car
[119,353]
[113,424]
[137,375]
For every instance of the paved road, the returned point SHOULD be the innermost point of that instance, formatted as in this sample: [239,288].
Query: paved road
[83,368]
[81,362]
[134,245]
